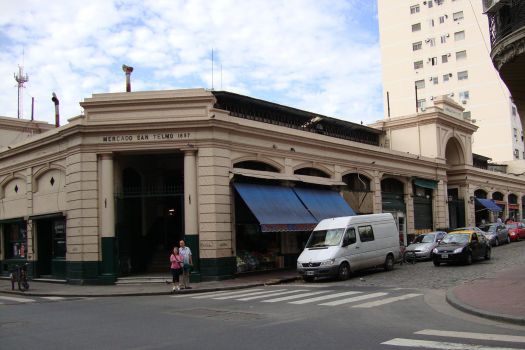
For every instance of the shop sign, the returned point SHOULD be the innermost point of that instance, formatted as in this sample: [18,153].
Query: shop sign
[146,137]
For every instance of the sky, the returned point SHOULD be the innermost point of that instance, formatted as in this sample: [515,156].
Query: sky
[317,55]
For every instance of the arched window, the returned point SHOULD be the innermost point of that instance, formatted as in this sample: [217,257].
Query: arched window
[311,172]
[392,186]
[480,194]
[357,182]
[255,165]
[498,196]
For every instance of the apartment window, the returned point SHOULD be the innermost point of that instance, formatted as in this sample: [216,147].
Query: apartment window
[417,46]
[442,19]
[514,111]
[439,2]
[421,103]
[515,133]
[420,84]
[431,41]
[444,38]
[464,95]
[416,27]
[430,4]
[431,22]
[463,75]
[418,64]
[446,77]
[434,80]
[444,58]
[414,9]
[459,35]
[457,16]
[461,55]
[516,154]
[433,61]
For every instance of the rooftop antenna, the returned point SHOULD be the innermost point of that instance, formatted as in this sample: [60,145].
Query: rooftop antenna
[212,69]
[21,79]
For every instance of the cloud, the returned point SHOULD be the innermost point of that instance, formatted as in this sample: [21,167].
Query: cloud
[321,56]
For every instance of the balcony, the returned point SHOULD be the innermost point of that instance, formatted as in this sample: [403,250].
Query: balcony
[507,38]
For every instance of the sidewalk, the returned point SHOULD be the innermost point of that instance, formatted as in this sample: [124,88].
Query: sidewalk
[500,298]
[141,288]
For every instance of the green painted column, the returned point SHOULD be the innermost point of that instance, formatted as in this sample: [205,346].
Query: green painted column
[107,219]
[191,222]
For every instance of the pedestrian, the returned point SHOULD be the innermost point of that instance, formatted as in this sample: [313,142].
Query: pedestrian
[176,268]
[187,260]
[499,220]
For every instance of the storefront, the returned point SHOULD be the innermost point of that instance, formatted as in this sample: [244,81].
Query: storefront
[423,199]
[14,233]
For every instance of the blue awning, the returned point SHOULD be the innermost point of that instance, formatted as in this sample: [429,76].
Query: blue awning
[489,204]
[324,204]
[276,208]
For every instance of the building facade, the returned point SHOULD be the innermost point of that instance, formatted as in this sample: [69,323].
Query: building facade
[441,47]
[242,180]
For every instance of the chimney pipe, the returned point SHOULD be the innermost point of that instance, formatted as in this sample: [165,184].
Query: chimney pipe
[127,70]
[57,115]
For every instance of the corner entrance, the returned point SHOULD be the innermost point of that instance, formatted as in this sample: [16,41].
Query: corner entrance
[150,211]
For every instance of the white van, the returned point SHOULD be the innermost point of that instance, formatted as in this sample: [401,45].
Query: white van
[339,246]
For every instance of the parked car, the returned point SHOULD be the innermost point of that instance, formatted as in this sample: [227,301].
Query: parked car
[423,244]
[461,246]
[496,234]
[516,230]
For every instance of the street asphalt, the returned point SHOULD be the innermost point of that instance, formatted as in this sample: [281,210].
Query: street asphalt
[499,297]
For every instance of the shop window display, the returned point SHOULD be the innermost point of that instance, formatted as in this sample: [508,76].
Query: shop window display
[16,240]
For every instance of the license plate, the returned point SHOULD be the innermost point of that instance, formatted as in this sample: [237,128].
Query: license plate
[444,256]
[309,273]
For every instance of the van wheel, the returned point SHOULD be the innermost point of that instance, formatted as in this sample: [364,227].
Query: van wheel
[344,271]
[389,263]
[308,278]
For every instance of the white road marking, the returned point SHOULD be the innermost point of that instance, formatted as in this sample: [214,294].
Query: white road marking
[386,301]
[479,336]
[54,298]
[248,294]
[20,300]
[297,296]
[273,294]
[215,294]
[323,297]
[351,300]
[413,343]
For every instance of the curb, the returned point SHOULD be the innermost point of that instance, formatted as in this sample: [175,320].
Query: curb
[455,302]
[131,294]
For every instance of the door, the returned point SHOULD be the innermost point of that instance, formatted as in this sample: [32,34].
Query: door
[351,249]
[45,247]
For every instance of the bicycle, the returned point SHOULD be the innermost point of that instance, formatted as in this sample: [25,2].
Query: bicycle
[19,276]
[409,257]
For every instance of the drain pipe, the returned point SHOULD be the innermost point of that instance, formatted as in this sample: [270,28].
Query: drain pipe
[127,70]
[57,115]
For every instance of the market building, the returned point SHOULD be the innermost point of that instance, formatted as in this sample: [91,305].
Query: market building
[241,180]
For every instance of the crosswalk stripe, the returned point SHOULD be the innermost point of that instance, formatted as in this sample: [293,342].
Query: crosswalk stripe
[469,335]
[386,301]
[20,300]
[54,298]
[248,294]
[322,297]
[351,300]
[297,296]
[214,294]
[413,343]
[273,294]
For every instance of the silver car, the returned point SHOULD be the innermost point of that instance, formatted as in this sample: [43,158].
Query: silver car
[423,245]
[496,234]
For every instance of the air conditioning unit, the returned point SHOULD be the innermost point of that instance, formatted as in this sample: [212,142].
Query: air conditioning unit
[424,2]
[464,102]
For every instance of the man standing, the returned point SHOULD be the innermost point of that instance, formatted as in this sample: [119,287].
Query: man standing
[185,252]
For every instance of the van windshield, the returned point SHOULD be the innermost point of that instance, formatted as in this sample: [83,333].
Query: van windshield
[325,238]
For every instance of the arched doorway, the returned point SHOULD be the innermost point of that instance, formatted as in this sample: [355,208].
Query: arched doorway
[499,199]
[358,194]
[514,212]
[455,155]
[482,213]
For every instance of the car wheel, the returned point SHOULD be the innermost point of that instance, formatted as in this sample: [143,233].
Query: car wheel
[468,259]
[343,272]
[389,262]
[436,262]
[308,278]
[487,253]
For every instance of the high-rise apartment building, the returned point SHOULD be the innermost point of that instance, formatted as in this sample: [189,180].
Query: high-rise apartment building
[441,47]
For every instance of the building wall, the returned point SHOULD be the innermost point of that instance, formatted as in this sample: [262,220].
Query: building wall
[489,101]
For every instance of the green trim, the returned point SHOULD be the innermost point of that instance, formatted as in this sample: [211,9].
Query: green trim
[11,221]
[108,263]
[82,272]
[47,216]
[393,202]
[192,241]
[218,269]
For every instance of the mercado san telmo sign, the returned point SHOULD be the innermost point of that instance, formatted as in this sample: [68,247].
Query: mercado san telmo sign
[164,136]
